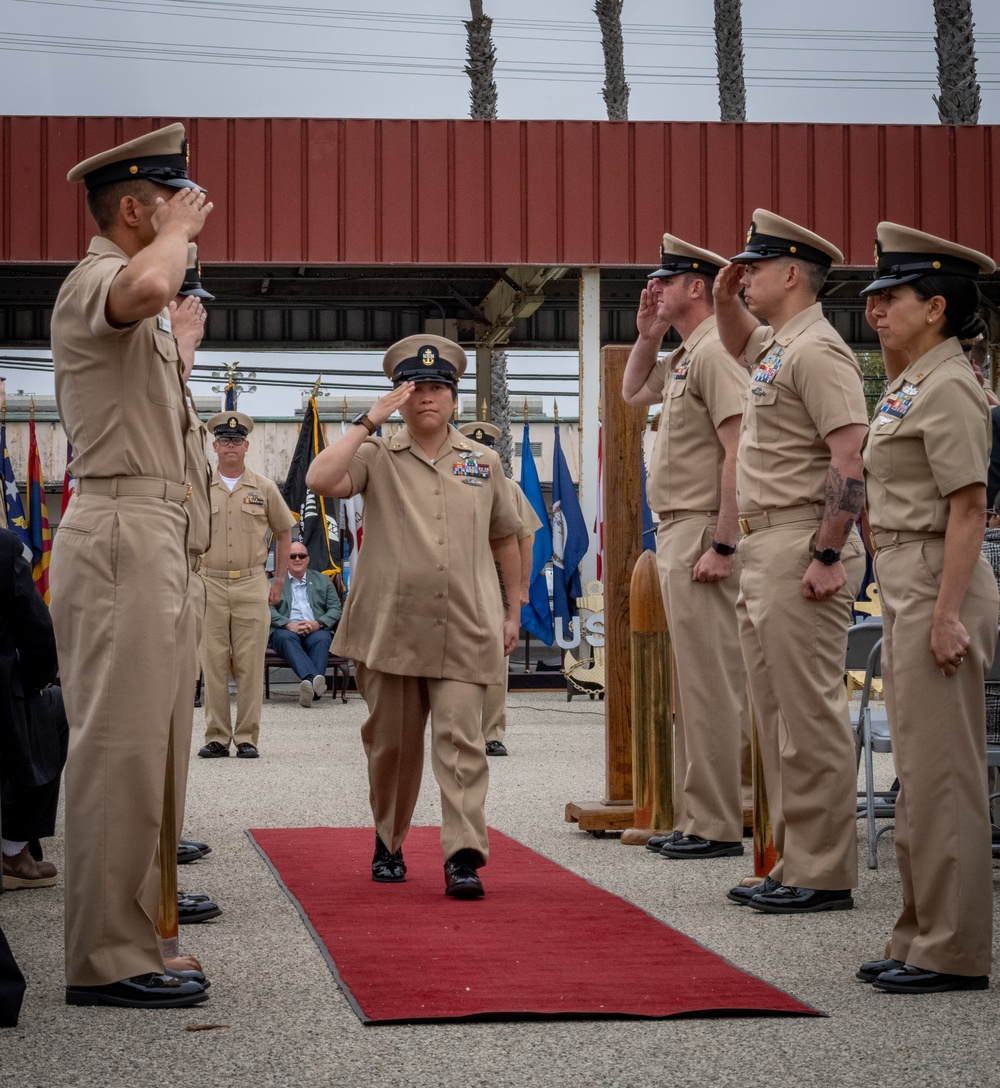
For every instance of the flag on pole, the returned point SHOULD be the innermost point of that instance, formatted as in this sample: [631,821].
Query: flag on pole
[230,392]
[352,512]
[599,519]
[317,529]
[69,483]
[17,521]
[648,526]
[38,518]
[536,615]
[570,538]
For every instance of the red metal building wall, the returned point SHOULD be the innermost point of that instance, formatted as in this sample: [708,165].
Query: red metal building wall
[363,192]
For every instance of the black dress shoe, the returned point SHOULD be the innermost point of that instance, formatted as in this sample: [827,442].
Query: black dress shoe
[140,992]
[657,842]
[694,846]
[387,868]
[197,844]
[214,750]
[915,980]
[742,893]
[246,750]
[460,878]
[188,852]
[786,900]
[190,910]
[870,970]
[496,748]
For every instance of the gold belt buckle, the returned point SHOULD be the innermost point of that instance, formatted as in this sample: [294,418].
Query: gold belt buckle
[234,574]
[745,526]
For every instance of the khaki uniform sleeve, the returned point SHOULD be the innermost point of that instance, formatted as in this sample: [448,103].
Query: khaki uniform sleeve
[828,379]
[658,375]
[92,297]
[504,520]
[530,523]
[955,426]
[721,383]
[362,463]
[279,517]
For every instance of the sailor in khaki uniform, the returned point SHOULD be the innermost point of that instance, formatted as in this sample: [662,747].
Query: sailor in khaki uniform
[247,509]
[427,619]
[692,486]
[495,707]
[926,461]
[120,571]
[799,488]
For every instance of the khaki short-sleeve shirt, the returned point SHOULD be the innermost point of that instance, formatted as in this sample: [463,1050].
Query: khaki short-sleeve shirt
[530,523]
[199,475]
[424,598]
[702,385]
[243,520]
[805,383]
[119,392]
[931,435]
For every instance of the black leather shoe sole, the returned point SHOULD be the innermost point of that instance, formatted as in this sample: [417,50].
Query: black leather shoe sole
[688,847]
[912,980]
[141,992]
[742,893]
[805,901]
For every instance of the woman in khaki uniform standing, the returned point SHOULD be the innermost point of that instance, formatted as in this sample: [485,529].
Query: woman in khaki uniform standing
[926,460]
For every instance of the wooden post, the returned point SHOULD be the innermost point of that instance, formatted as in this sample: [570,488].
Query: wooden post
[623,430]
[652,714]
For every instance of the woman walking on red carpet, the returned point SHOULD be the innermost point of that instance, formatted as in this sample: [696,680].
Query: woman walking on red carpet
[426,620]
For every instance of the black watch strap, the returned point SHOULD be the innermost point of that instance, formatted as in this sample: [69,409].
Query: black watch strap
[827,557]
[723,549]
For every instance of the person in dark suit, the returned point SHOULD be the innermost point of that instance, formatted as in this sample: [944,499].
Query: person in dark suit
[303,621]
[33,732]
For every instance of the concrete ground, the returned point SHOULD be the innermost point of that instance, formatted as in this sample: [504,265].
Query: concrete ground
[286,1023]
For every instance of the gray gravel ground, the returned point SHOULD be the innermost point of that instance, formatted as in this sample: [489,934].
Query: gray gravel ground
[286,1022]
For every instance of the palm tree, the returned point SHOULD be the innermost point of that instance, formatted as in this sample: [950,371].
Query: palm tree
[609,15]
[483,98]
[955,43]
[729,60]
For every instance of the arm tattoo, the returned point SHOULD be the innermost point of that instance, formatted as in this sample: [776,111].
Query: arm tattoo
[503,588]
[843,497]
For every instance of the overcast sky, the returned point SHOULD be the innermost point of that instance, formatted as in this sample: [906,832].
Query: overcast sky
[805,60]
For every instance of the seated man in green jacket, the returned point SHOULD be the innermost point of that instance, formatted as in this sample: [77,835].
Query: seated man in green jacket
[303,621]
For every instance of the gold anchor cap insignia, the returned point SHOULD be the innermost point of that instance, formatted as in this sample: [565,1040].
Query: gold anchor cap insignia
[428,358]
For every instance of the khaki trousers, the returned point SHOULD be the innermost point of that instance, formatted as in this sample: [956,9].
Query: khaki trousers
[495,710]
[393,737]
[237,619]
[938,728]
[710,683]
[126,657]
[795,649]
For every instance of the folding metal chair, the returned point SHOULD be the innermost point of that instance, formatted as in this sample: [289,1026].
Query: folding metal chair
[993,739]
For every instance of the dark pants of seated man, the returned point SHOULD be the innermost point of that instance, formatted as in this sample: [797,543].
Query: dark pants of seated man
[307,654]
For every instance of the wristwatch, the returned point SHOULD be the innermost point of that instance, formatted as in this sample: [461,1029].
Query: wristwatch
[827,557]
[363,421]
[723,549]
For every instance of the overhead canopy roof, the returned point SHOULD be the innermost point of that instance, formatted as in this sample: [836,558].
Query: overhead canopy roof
[343,233]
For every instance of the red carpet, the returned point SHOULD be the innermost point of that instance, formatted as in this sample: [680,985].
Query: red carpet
[542,944]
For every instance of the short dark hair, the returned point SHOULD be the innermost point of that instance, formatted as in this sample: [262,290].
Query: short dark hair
[706,280]
[103,201]
[813,275]
[961,303]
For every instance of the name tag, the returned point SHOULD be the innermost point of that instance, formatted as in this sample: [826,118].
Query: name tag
[470,468]
[680,372]
[163,323]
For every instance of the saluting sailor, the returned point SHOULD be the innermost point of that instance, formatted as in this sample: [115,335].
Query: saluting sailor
[427,620]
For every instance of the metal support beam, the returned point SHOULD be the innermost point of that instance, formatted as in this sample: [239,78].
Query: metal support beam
[590,396]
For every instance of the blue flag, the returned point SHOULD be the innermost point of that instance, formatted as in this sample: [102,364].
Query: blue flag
[536,615]
[648,527]
[16,521]
[570,538]
[230,397]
